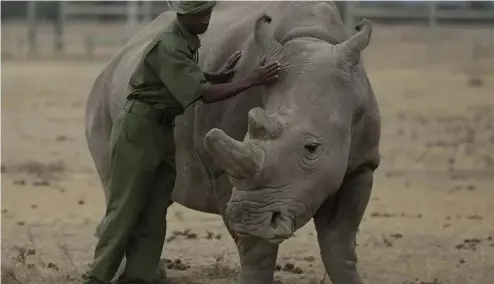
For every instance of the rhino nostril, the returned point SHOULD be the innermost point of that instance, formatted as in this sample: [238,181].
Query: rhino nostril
[275,218]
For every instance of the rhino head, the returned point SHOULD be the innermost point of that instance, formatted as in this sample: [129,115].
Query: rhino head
[295,153]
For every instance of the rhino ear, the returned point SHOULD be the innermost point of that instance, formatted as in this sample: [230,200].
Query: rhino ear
[261,35]
[349,51]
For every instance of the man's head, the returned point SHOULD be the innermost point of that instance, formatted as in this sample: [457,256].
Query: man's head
[194,15]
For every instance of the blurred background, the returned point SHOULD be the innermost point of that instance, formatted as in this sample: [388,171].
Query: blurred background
[431,216]
[88,27]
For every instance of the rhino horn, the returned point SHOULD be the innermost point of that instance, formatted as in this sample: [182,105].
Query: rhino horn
[261,35]
[263,127]
[350,49]
[238,159]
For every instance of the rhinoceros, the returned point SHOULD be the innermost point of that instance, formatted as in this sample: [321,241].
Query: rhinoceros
[273,157]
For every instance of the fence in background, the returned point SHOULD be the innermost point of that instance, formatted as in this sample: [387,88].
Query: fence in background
[136,13]
[130,12]
[432,14]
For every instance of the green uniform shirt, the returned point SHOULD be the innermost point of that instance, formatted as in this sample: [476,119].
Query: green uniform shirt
[168,75]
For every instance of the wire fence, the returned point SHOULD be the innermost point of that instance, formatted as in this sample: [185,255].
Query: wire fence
[89,28]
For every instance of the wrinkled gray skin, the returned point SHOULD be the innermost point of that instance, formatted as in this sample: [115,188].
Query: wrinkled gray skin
[305,147]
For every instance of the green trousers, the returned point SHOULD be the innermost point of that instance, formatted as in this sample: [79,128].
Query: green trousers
[142,179]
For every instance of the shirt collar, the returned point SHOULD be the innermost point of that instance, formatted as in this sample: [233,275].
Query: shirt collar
[193,40]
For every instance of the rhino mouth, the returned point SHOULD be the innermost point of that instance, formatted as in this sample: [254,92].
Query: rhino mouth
[253,218]
[275,235]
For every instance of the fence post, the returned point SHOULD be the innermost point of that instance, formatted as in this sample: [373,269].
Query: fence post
[348,16]
[131,18]
[431,47]
[59,26]
[32,27]
[148,9]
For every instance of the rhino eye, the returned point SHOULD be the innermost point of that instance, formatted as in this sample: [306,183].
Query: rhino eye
[311,148]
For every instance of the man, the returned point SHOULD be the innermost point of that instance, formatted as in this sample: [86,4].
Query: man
[142,167]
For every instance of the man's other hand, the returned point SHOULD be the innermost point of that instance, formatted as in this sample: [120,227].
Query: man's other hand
[226,72]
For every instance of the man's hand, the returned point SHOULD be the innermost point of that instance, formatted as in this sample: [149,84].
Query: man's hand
[265,74]
[226,72]
[262,75]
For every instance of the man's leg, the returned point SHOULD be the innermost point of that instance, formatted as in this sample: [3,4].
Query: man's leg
[133,166]
[146,242]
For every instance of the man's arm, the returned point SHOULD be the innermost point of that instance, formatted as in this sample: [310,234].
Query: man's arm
[186,81]
[220,92]
[261,76]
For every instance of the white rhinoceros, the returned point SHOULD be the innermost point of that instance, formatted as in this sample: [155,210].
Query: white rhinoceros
[272,158]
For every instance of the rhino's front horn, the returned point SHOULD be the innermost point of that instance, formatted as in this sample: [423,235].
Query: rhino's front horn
[263,127]
[349,50]
[238,159]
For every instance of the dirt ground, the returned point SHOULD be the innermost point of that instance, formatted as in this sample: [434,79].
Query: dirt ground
[430,219]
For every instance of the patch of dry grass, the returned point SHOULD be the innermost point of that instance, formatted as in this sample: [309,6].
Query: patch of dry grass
[23,265]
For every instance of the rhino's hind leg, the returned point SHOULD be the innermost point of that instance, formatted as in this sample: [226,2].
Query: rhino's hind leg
[337,222]
[257,256]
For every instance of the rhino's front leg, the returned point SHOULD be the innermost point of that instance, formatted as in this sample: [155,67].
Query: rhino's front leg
[257,256]
[337,222]
[257,260]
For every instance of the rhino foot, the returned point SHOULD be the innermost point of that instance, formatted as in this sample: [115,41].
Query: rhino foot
[257,259]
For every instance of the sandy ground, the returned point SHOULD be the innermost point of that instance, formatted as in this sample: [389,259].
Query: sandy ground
[430,220]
